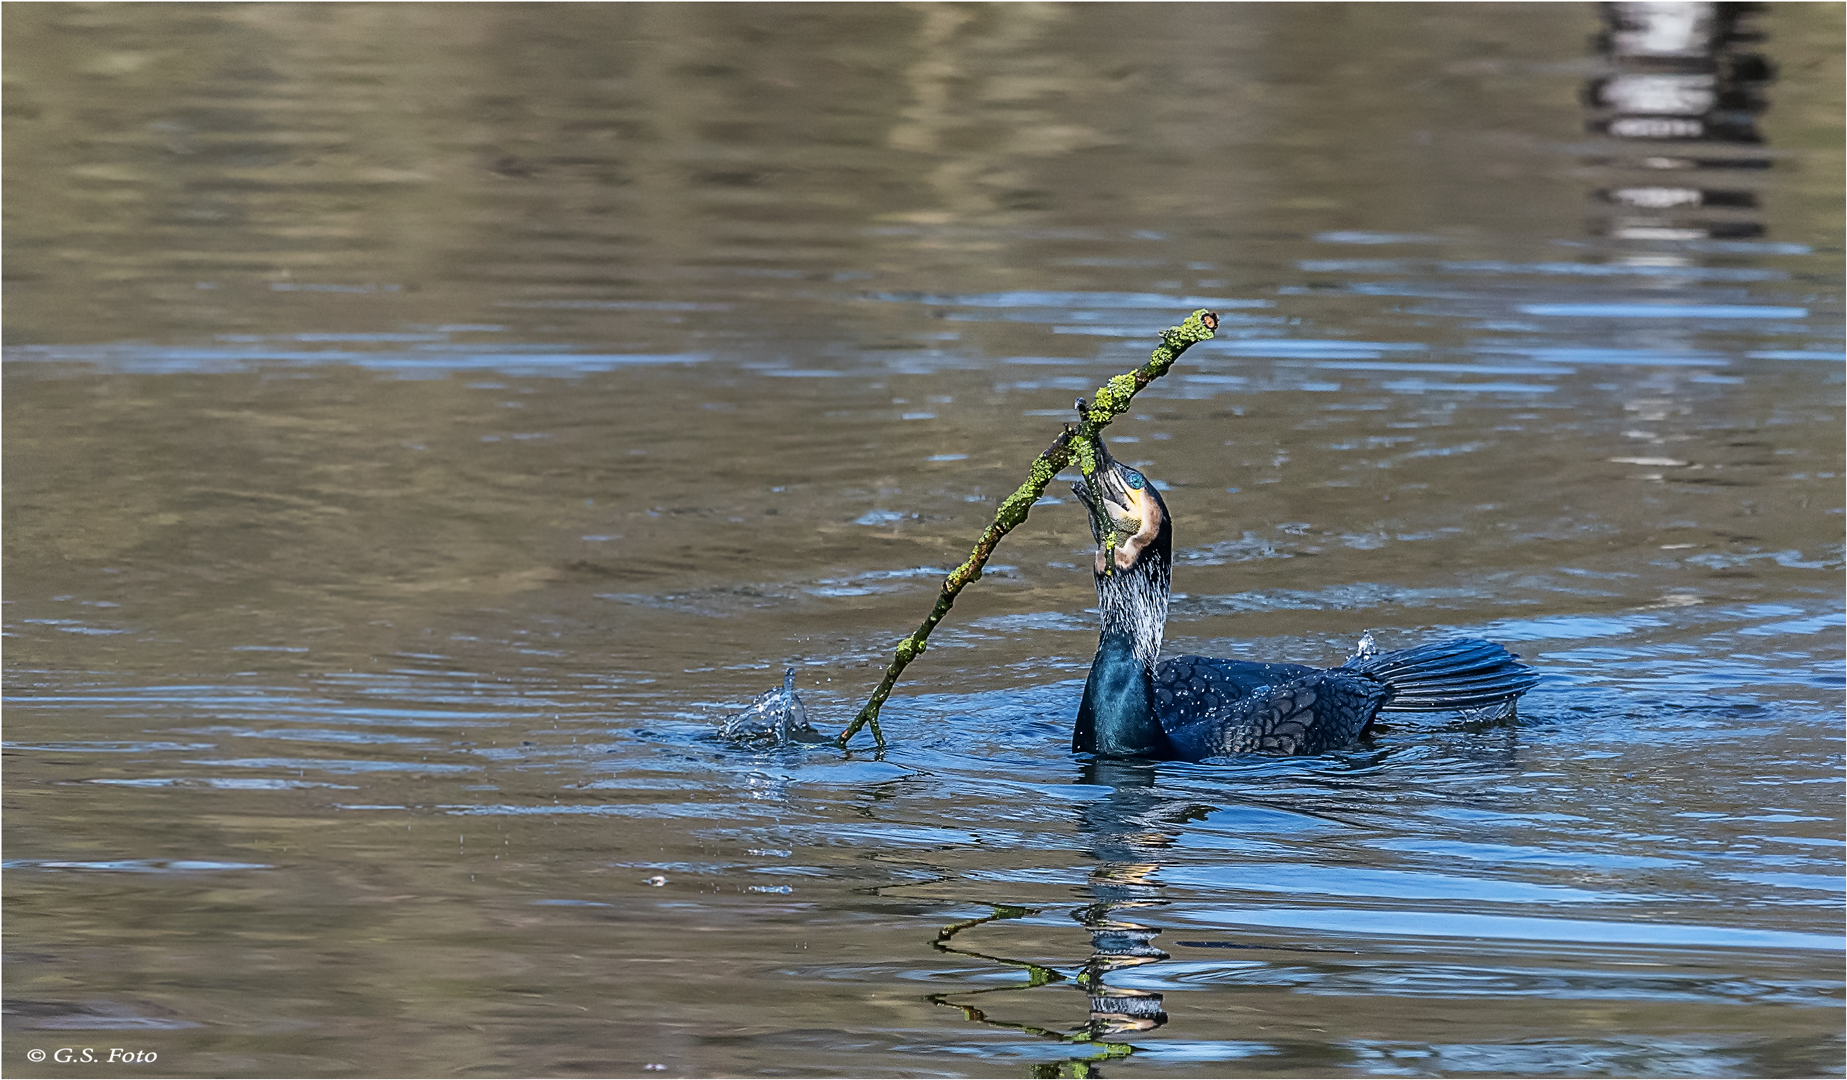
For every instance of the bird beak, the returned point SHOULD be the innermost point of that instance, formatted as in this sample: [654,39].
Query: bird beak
[1118,516]
[1100,489]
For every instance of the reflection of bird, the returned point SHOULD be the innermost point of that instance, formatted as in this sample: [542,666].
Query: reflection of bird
[1194,707]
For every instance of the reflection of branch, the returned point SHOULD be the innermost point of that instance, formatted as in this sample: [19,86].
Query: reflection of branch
[1075,441]
[1080,1066]
[1036,975]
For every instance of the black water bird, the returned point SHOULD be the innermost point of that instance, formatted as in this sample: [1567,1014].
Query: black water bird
[1189,708]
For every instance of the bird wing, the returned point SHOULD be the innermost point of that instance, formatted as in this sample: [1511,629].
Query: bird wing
[1218,708]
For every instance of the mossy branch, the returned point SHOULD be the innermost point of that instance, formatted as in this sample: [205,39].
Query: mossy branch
[1110,401]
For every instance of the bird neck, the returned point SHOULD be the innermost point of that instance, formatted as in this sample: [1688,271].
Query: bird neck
[1133,604]
[1117,717]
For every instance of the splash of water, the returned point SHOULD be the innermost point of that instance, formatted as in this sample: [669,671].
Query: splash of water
[775,718]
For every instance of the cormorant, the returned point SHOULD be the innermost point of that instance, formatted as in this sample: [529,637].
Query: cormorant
[1189,708]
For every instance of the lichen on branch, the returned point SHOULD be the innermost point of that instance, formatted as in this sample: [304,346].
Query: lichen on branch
[1077,440]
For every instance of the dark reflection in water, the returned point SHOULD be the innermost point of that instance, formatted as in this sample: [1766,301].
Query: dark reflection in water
[1125,829]
[1683,96]
[1128,830]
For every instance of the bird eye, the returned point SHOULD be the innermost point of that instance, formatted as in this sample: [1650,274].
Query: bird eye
[1135,479]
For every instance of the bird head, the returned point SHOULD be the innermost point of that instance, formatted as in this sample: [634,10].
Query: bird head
[1127,516]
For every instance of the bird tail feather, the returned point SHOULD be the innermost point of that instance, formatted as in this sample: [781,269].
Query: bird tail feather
[1466,673]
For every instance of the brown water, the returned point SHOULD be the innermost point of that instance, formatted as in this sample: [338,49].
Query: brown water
[423,423]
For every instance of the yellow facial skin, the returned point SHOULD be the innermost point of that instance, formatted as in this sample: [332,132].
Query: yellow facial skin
[1139,522]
